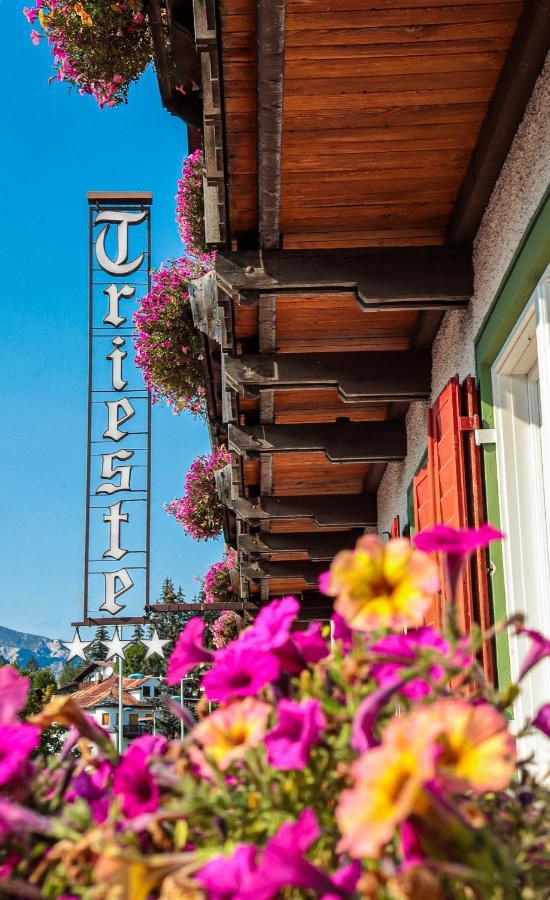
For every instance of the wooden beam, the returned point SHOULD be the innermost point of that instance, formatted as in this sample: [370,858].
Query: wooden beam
[267,323]
[319,547]
[308,571]
[378,376]
[394,278]
[330,511]
[521,69]
[358,441]
[271,42]
[200,607]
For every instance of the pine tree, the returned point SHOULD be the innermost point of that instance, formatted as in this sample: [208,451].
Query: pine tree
[96,650]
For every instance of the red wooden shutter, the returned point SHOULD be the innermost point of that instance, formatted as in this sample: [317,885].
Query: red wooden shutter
[449,490]
[395,527]
[446,461]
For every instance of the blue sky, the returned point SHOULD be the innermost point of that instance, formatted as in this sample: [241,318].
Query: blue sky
[55,147]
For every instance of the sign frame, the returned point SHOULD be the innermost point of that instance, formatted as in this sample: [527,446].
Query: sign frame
[103,201]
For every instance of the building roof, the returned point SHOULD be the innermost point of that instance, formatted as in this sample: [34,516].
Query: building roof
[106,692]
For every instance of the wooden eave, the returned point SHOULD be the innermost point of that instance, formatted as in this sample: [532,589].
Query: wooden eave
[314,547]
[349,441]
[376,376]
[350,151]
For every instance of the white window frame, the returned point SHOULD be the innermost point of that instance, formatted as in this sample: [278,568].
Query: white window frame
[523,461]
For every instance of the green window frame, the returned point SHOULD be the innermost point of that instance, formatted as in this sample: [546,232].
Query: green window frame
[517,286]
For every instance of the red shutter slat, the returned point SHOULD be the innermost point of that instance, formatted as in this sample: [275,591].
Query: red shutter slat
[423,518]
[476,517]
[395,527]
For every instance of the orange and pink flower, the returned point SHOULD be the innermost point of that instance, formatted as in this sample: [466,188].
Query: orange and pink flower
[381,585]
[228,733]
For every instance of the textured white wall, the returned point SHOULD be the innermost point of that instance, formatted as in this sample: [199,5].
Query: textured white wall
[521,185]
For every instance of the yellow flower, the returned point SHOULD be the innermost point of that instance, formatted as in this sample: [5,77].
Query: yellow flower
[84,17]
[389,788]
[475,750]
[381,584]
[227,734]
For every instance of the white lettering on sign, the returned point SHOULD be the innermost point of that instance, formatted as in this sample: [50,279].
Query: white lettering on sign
[119,265]
[108,471]
[121,577]
[114,294]
[120,247]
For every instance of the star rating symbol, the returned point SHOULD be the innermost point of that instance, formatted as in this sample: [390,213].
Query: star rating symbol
[154,645]
[76,647]
[116,645]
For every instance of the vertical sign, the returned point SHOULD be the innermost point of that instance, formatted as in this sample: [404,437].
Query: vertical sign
[116,578]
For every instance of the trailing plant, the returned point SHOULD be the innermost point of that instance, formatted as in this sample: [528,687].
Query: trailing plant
[190,209]
[225,628]
[217,581]
[168,346]
[199,509]
[350,771]
[98,47]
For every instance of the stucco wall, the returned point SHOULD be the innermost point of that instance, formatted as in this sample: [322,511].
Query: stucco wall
[517,194]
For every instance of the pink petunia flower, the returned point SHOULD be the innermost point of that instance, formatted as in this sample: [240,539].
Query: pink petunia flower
[188,652]
[148,745]
[542,719]
[13,693]
[20,820]
[134,783]
[91,786]
[240,671]
[366,717]
[456,544]
[17,741]
[272,626]
[539,650]
[298,728]
[30,14]
[225,877]
[405,648]
[340,629]
[301,648]
[283,862]
[35,37]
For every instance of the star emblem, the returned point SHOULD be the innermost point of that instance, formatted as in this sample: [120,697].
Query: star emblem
[116,645]
[154,645]
[76,647]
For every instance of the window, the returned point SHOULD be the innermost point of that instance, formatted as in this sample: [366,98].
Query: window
[521,395]
[157,692]
[104,718]
[147,691]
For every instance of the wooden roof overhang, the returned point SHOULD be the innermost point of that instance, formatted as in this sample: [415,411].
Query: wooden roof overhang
[350,150]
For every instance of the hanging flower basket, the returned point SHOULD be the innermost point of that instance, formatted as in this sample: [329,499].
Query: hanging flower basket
[168,347]
[200,510]
[190,210]
[97,46]
[225,628]
[217,581]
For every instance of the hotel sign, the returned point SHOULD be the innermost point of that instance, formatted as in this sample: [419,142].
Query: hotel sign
[116,577]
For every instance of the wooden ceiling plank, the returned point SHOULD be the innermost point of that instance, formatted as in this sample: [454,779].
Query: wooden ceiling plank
[410,17]
[521,68]
[271,41]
